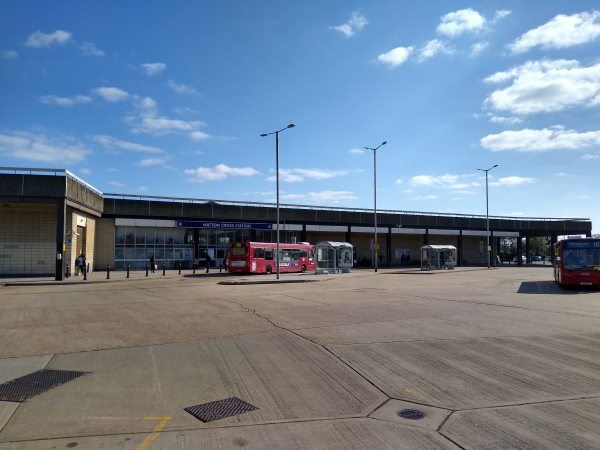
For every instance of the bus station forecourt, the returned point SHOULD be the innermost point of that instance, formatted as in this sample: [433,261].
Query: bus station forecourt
[179,357]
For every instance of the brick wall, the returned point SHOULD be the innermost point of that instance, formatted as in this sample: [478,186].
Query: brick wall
[27,239]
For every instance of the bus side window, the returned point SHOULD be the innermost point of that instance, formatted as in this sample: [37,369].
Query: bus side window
[269,255]
[311,255]
[302,254]
[295,255]
[259,252]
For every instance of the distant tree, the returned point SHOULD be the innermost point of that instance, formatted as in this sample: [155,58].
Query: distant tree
[508,248]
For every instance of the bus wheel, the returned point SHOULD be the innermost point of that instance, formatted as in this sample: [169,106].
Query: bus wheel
[268,270]
[303,269]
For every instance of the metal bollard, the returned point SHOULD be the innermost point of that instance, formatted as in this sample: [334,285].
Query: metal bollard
[179,267]
[146,266]
[163,269]
[194,268]
[127,270]
[85,272]
[88,267]
[107,272]
[67,274]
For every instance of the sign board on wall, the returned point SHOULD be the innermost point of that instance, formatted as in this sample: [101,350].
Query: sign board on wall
[224,225]
[81,221]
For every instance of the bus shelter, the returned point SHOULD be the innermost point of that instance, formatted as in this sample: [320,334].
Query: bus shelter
[436,257]
[333,257]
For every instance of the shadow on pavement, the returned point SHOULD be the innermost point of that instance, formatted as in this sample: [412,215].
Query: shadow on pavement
[551,287]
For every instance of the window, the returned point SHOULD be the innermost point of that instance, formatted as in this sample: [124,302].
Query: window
[259,252]
[269,255]
[302,253]
[239,251]
[295,255]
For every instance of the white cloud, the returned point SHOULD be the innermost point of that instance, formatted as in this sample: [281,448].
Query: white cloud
[164,125]
[560,32]
[356,151]
[545,86]
[219,172]
[111,94]
[39,39]
[152,69]
[199,136]
[425,197]
[111,143]
[148,162]
[9,54]
[560,174]
[142,189]
[399,181]
[40,148]
[478,47]
[434,47]
[501,14]
[395,56]
[505,120]
[323,197]
[529,140]
[181,88]
[355,24]
[589,157]
[118,184]
[85,171]
[512,181]
[297,175]
[432,180]
[90,49]
[65,101]
[462,21]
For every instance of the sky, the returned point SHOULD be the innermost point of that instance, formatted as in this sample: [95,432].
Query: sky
[156,98]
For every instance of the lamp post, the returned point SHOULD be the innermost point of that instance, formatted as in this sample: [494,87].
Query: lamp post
[276,133]
[487,212]
[375,244]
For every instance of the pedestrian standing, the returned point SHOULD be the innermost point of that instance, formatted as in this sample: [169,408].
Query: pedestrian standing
[207,262]
[77,265]
[83,262]
[152,263]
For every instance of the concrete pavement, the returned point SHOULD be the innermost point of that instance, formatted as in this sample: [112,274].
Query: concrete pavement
[497,359]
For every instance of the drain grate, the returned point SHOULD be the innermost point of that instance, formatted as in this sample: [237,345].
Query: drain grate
[25,387]
[220,409]
[411,414]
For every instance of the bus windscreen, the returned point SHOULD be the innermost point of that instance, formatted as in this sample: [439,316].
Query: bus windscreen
[583,255]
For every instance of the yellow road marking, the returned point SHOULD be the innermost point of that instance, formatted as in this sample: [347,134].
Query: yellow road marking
[415,394]
[157,429]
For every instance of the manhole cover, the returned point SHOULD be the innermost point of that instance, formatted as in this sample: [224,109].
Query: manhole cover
[411,414]
[25,387]
[220,409]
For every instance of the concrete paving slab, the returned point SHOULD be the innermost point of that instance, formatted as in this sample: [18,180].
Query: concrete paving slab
[6,411]
[567,424]
[470,373]
[284,376]
[390,410]
[11,368]
[330,434]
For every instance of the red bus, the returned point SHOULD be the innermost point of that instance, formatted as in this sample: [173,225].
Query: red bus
[259,257]
[577,262]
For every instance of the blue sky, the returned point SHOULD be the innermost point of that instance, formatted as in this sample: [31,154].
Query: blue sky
[150,98]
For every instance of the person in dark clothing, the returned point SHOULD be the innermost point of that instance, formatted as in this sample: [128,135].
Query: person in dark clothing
[83,263]
[207,262]
[152,263]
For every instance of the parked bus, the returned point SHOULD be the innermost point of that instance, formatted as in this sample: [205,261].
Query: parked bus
[259,257]
[577,262]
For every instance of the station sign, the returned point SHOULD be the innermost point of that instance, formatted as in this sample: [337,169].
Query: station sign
[223,225]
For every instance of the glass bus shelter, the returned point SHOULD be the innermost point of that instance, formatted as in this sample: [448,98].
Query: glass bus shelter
[436,257]
[333,257]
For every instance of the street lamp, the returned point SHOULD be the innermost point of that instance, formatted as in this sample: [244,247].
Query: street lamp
[276,133]
[375,244]
[487,212]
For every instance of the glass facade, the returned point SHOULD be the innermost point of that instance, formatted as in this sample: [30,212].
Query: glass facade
[178,247]
[136,245]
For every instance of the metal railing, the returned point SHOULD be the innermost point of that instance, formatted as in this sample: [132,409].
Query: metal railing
[50,171]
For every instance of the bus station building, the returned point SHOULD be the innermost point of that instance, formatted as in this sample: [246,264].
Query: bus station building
[50,216]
